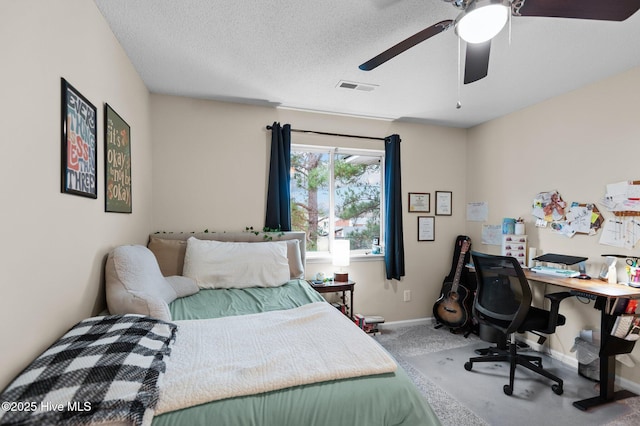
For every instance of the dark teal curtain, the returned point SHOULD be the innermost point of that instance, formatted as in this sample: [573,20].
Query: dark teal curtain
[393,239]
[278,214]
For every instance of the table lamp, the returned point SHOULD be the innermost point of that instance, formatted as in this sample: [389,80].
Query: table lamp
[341,253]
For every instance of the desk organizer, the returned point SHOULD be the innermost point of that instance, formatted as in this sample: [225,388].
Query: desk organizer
[515,246]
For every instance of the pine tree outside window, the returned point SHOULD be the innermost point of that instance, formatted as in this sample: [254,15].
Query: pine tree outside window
[337,193]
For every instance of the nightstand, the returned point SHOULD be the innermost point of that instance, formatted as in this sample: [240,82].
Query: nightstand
[337,287]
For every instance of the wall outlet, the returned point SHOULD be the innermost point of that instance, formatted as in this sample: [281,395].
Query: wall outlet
[407,295]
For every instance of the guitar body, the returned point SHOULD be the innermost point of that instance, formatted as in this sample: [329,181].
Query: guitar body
[451,308]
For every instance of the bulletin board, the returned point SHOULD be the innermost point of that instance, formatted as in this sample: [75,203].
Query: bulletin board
[566,219]
[623,230]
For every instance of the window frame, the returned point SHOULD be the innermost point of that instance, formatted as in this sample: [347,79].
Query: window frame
[332,150]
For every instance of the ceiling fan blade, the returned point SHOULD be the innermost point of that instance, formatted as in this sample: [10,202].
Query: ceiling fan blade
[406,44]
[476,64]
[604,10]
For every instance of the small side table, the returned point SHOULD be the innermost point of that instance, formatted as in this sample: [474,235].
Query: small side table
[336,287]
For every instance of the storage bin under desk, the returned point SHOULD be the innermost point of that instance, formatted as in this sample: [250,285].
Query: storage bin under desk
[613,345]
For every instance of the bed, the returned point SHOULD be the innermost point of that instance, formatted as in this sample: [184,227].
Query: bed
[257,355]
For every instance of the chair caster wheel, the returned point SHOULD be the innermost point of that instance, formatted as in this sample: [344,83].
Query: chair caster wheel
[508,390]
[468,366]
[557,389]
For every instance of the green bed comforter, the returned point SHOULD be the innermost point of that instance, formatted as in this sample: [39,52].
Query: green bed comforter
[386,399]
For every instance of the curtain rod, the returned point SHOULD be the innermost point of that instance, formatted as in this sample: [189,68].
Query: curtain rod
[333,134]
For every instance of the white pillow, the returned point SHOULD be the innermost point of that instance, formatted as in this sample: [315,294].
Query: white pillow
[295,259]
[135,285]
[216,264]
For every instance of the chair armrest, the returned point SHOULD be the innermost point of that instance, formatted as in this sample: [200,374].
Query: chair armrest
[555,299]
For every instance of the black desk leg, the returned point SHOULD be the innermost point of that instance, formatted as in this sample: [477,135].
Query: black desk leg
[607,371]
[607,381]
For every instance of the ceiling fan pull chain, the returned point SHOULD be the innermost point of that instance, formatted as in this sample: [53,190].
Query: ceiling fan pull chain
[459,104]
[510,15]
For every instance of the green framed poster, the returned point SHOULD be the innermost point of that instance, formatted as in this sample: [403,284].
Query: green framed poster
[117,159]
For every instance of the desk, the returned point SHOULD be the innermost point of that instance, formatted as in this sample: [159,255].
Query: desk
[592,286]
[610,346]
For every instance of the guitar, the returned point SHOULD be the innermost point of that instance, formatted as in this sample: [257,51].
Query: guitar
[450,309]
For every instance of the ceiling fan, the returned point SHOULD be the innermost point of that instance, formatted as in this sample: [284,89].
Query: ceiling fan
[481,20]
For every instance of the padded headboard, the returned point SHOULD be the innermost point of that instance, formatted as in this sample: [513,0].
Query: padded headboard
[170,248]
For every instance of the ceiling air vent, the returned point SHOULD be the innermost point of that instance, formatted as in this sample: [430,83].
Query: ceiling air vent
[356,86]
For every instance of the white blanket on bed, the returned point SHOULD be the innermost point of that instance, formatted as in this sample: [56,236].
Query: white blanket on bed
[221,358]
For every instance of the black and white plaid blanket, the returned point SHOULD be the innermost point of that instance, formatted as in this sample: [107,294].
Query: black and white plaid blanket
[104,369]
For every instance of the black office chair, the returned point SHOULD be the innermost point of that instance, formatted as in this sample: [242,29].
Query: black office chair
[503,302]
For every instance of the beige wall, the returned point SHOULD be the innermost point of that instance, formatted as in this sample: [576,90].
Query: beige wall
[576,143]
[210,167]
[209,171]
[54,244]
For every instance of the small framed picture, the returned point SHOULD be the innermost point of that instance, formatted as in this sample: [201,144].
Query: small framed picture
[419,202]
[79,144]
[426,228]
[443,203]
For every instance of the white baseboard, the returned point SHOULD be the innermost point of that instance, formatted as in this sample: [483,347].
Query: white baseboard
[404,323]
[569,360]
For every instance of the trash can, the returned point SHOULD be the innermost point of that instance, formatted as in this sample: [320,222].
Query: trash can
[588,358]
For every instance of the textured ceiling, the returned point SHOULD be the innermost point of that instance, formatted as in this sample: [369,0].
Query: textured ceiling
[293,54]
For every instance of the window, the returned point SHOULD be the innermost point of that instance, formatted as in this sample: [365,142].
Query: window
[336,193]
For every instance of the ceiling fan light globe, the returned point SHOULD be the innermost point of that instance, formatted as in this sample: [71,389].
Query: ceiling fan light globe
[482,21]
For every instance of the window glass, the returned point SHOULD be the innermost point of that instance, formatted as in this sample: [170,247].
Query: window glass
[336,193]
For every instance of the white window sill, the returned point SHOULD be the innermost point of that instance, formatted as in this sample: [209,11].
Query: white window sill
[326,258]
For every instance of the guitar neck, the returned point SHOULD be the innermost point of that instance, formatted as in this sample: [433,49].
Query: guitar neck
[456,277]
